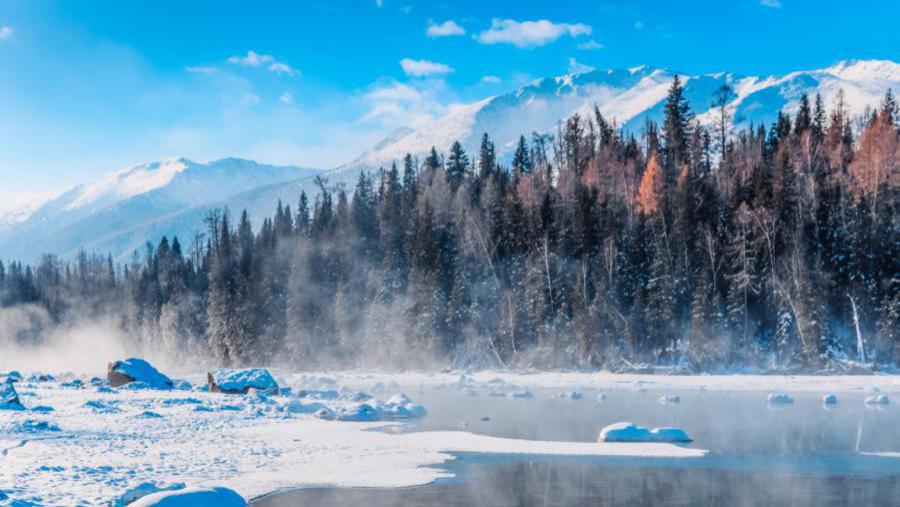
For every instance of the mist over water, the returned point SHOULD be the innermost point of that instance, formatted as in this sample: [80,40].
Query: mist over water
[798,454]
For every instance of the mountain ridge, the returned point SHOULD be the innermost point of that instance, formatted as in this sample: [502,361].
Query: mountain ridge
[120,211]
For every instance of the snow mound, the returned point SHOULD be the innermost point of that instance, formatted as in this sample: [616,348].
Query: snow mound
[574,394]
[521,394]
[399,406]
[240,381]
[9,398]
[630,432]
[362,412]
[34,426]
[780,399]
[830,399]
[879,399]
[133,369]
[192,497]
[143,489]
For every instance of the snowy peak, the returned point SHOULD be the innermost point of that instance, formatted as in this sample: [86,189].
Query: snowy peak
[866,70]
[629,97]
[121,211]
[128,182]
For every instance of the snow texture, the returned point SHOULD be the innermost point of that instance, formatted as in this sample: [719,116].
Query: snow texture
[96,446]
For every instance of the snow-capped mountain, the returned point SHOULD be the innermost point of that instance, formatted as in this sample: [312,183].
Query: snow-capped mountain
[121,211]
[630,96]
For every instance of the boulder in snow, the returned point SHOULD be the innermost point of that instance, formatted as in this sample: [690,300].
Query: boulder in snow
[399,406]
[120,373]
[9,398]
[879,399]
[145,488]
[362,412]
[574,394]
[829,399]
[192,497]
[521,394]
[780,399]
[240,381]
[630,432]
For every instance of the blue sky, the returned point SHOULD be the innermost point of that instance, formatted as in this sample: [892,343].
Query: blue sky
[90,86]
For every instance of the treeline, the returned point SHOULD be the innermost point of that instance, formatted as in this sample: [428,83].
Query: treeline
[691,247]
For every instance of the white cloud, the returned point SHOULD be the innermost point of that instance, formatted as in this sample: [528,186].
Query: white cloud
[578,68]
[491,79]
[6,32]
[379,3]
[445,29]
[529,34]
[199,69]
[393,104]
[639,24]
[253,59]
[589,45]
[286,98]
[421,68]
[283,69]
[406,9]
[775,4]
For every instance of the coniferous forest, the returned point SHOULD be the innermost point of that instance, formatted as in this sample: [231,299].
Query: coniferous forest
[688,247]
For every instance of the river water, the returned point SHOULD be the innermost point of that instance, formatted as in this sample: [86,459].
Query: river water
[804,453]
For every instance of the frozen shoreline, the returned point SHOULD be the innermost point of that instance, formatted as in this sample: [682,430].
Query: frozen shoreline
[107,442]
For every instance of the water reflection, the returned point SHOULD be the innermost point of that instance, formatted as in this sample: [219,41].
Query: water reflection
[578,483]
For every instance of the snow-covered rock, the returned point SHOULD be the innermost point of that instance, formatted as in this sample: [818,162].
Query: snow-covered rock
[11,376]
[240,381]
[399,406]
[33,426]
[878,399]
[361,412]
[525,393]
[630,432]
[601,397]
[574,394]
[143,489]
[9,398]
[779,399]
[133,369]
[192,497]
[669,399]
[830,399]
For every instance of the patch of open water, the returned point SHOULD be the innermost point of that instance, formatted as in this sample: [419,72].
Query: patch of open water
[804,453]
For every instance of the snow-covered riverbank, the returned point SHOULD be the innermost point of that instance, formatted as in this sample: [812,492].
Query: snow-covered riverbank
[88,444]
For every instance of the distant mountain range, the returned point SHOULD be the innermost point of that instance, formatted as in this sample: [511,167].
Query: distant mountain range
[123,210]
